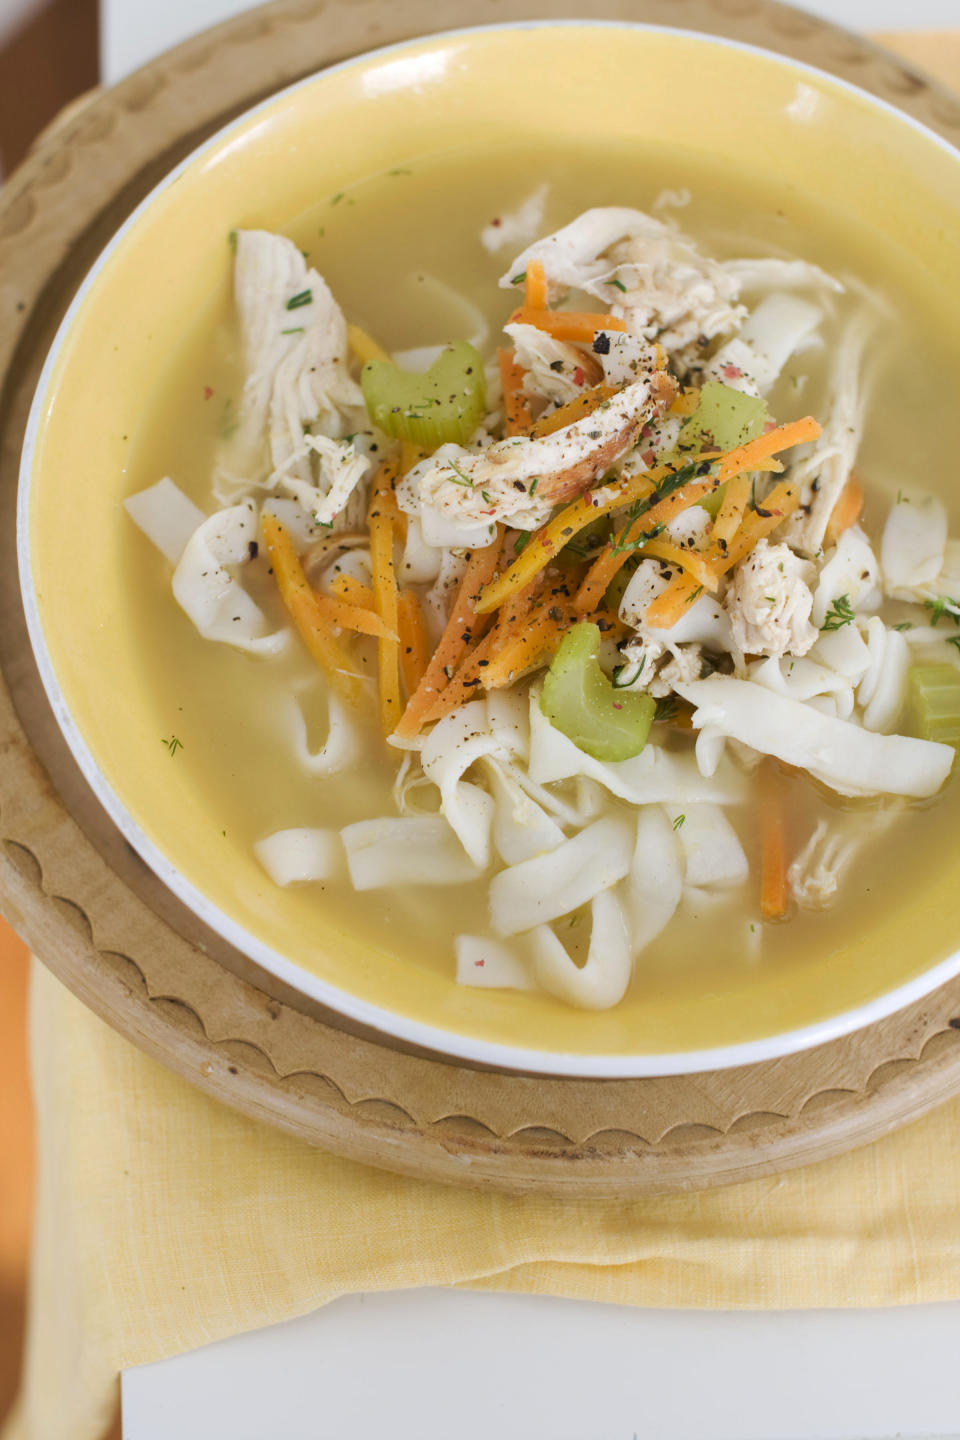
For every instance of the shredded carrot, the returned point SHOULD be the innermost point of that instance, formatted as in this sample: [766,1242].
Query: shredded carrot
[364,346]
[381,516]
[462,627]
[685,403]
[784,437]
[571,325]
[516,406]
[672,602]
[601,573]
[410,455]
[414,653]
[731,511]
[314,627]
[467,683]
[574,410]
[693,562]
[846,512]
[774,886]
[353,591]
[353,617]
[535,290]
[525,650]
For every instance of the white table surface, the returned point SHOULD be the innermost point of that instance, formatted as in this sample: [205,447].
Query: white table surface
[449,1365]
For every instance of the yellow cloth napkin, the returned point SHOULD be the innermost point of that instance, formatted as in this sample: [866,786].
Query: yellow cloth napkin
[165,1221]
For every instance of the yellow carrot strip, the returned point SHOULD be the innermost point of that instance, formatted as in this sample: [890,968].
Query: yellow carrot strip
[535,289]
[410,455]
[313,626]
[470,676]
[462,627]
[672,602]
[846,512]
[364,346]
[383,498]
[354,617]
[685,403]
[414,652]
[525,651]
[353,591]
[731,510]
[692,561]
[573,411]
[570,325]
[516,405]
[774,887]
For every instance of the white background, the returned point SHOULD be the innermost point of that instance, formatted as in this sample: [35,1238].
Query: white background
[456,1366]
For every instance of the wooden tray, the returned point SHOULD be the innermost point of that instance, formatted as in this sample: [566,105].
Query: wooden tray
[99,918]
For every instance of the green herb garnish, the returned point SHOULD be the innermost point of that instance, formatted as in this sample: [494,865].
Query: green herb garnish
[679,821]
[173,744]
[520,279]
[618,283]
[521,542]
[670,483]
[841,613]
[941,606]
[294,330]
[302,297]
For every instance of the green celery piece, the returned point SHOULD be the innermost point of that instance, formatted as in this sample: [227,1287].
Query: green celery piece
[934,703]
[725,417]
[582,703]
[441,407]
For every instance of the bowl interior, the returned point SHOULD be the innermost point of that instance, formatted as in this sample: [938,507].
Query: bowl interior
[791,131]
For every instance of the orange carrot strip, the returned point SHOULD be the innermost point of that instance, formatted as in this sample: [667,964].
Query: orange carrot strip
[535,289]
[784,437]
[410,455]
[672,602]
[846,512]
[353,591]
[574,410]
[524,651]
[571,325]
[469,679]
[414,652]
[463,626]
[383,499]
[598,578]
[353,617]
[516,405]
[774,888]
[312,624]
[731,511]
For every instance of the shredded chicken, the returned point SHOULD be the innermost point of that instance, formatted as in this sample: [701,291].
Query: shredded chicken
[501,481]
[769,602]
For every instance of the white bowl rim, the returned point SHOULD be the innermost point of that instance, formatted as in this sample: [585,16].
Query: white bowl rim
[388,1023]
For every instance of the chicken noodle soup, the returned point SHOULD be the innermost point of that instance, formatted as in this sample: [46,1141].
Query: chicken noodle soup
[579,628]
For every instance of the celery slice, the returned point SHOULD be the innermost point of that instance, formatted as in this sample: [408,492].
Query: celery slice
[441,407]
[725,417]
[934,703]
[580,701]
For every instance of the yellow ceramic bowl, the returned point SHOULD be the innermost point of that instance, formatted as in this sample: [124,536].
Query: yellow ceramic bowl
[754,110]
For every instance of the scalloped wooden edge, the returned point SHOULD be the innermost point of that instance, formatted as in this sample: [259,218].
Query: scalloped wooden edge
[109,931]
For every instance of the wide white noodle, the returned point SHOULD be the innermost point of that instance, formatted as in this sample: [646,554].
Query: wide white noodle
[655,775]
[849,759]
[805,680]
[405,850]
[914,542]
[655,883]
[713,855]
[453,745]
[602,980]
[212,597]
[844,651]
[774,331]
[883,689]
[548,886]
[166,516]
[770,272]
[850,570]
[292,857]
[490,964]
[343,746]
[521,827]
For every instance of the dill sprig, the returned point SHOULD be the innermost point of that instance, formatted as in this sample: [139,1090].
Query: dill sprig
[841,613]
[669,483]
